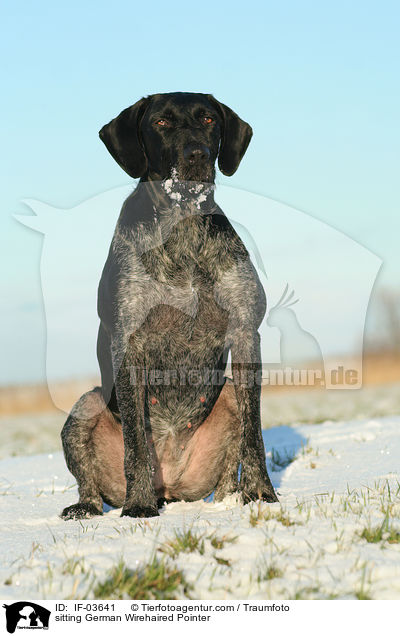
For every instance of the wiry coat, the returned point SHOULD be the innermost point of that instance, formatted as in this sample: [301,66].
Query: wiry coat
[178,292]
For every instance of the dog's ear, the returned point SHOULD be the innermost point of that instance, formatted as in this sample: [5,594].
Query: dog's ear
[235,138]
[122,139]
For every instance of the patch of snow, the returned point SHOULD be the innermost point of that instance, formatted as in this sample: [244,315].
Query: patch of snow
[167,185]
[200,199]
[342,480]
[181,192]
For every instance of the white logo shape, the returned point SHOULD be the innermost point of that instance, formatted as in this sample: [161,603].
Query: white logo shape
[297,257]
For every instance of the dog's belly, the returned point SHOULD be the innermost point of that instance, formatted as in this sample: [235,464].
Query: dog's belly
[189,473]
[188,467]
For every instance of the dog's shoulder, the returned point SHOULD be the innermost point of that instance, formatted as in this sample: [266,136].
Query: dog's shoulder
[223,236]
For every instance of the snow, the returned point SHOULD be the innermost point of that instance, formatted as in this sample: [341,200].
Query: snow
[185,189]
[344,478]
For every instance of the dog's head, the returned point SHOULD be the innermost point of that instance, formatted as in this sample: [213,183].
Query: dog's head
[181,131]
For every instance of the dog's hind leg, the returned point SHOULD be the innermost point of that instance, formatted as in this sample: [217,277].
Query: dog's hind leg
[93,449]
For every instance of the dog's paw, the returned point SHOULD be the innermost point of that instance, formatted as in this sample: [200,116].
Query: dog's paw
[161,501]
[221,493]
[80,511]
[140,511]
[264,493]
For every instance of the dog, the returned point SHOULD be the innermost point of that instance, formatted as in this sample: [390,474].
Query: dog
[178,293]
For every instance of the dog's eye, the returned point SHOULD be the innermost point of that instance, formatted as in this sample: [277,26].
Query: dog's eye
[207,119]
[162,122]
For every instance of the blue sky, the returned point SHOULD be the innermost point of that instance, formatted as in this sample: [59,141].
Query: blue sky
[317,81]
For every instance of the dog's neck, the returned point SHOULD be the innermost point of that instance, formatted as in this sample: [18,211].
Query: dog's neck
[192,197]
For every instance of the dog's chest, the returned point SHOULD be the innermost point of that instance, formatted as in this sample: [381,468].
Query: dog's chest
[180,273]
[184,284]
[182,280]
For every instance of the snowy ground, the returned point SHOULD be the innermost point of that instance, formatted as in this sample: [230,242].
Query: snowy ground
[336,481]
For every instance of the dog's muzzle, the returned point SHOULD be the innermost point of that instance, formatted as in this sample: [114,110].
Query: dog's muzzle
[196,153]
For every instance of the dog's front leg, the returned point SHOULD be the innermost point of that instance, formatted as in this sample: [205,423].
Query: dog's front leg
[246,368]
[140,500]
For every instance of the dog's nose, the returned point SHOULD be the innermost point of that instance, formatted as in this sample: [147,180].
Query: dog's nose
[196,152]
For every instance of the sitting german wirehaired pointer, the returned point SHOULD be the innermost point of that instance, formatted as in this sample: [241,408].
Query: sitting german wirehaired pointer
[177,293]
